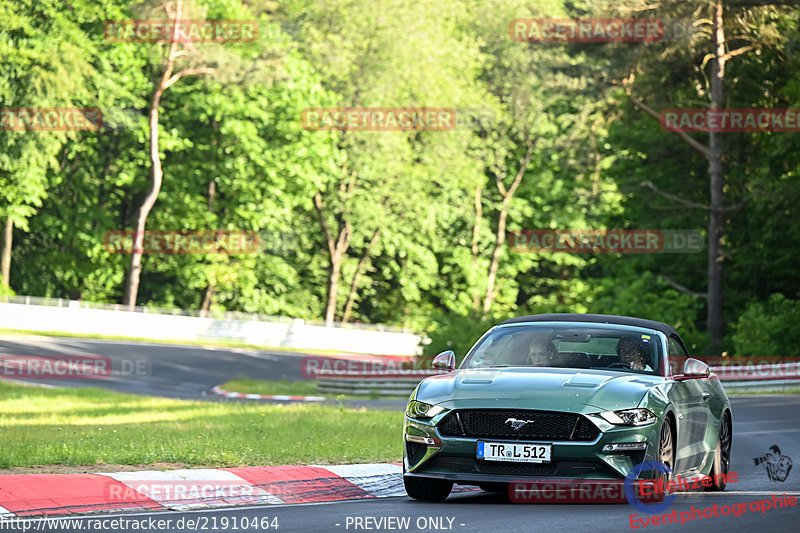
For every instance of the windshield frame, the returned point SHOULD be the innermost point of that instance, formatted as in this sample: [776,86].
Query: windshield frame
[660,350]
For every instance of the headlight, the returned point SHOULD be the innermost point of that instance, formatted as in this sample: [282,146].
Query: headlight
[417,409]
[629,417]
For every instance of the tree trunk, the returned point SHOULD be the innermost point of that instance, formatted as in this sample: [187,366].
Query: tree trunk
[333,288]
[715,154]
[500,235]
[717,185]
[157,174]
[336,253]
[167,80]
[208,297]
[8,233]
[499,241]
[211,288]
[476,232]
[362,261]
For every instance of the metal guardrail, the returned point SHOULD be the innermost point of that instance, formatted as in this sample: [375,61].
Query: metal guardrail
[380,387]
[213,313]
[745,375]
[404,386]
[762,385]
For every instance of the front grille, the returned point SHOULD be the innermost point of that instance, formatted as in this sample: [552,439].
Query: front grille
[491,423]
[467,465]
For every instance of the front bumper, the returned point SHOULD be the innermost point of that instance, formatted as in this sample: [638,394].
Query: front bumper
[433,455]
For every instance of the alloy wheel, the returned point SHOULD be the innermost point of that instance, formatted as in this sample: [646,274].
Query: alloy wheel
[666,452]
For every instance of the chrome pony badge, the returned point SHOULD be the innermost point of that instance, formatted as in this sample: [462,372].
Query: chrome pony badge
[516,423]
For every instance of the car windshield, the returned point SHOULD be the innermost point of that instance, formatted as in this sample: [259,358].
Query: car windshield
[621,349]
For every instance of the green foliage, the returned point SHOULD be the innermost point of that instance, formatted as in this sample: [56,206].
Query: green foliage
[647,296]
[5,291]
[769,328]
[44,50]
[236,157]
[457,333]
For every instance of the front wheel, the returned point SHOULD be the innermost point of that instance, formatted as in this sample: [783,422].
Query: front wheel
[425,489]
[494,487]
[722,455]
[666,451]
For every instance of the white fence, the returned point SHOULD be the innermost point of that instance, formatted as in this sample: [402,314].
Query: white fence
[76,318]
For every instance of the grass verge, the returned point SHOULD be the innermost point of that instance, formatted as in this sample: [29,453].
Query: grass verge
[764,392]
[254,386]
[92,426]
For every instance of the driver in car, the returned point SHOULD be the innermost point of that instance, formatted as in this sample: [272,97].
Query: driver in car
[541,352]
[632,353]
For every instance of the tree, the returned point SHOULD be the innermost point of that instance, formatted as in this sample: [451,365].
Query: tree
[167,80]
[47,62]
[713,36]
[383,179]
[542,110]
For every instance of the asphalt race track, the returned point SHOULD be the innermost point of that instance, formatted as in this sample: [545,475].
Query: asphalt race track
[758,422]
[168,370]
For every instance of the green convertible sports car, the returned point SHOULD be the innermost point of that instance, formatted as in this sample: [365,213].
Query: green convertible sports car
[565,396]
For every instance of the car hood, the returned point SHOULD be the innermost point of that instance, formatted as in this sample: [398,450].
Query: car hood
[557,389]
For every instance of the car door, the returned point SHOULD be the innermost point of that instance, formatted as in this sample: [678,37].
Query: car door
[691,399]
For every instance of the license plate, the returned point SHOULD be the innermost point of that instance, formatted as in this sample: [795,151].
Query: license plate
[517,453]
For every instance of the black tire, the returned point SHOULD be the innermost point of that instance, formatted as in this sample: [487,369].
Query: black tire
[431,490]
[722,455]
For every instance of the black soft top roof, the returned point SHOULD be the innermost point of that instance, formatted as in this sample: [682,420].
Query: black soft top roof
[602,319]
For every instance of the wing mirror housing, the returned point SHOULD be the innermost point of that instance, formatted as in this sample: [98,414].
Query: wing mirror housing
[445,361]
[693,369]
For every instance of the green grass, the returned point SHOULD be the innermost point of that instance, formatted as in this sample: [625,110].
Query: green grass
[254,386]
[761,392]
[291,388]
[92,426]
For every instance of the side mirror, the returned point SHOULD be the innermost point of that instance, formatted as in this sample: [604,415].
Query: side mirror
[693,369]
[445,361]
